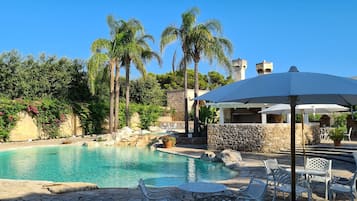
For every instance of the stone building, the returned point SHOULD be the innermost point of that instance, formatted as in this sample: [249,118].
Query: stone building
[175,101]
[246,113]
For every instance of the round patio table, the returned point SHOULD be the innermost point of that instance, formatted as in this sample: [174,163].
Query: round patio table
[197,188]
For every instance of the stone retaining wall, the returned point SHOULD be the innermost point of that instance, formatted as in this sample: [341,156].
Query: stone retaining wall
[258,137]
[26,128]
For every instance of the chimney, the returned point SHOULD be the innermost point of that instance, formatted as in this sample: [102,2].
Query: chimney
[238,67]
[264,67]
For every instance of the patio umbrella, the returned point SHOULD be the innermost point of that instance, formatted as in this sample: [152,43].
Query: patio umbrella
[304,109]
[293,88]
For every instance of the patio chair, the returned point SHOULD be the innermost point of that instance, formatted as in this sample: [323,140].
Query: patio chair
[282,183]
[320,164]
[147,195]
[270,164]
[343,186]
[254,191]
[324,133]
[348,134]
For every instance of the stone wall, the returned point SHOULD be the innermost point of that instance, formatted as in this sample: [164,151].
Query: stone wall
[258,137]
[26,128]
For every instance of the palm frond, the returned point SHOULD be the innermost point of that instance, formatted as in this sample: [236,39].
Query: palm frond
[100,45]
[169,35]
[96,62]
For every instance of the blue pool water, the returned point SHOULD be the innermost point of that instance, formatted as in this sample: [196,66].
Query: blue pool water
[107,166]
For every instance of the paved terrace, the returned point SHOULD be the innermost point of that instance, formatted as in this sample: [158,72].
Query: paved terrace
[46,190]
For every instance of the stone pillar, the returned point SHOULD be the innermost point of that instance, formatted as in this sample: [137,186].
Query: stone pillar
[288,118]
[264,67]
[221,116]
[239,68]
[306,118]
[264,117]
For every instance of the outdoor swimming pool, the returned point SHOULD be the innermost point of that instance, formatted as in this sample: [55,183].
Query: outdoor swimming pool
[107,166]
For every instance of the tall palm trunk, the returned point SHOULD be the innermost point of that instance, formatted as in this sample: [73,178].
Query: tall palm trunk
[195,104]
[127,94]
[117,87]
[111,109]
[185,97]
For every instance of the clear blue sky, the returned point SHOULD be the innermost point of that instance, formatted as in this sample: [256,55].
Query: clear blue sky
[316,36]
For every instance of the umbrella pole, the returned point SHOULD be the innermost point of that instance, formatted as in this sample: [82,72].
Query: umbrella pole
[292,146]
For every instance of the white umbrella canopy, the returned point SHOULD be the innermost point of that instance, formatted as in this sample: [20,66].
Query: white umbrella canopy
[305,109]
[293,88]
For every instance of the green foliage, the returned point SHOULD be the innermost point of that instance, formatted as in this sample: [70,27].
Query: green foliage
[174,80]
[51,115]
[315,117]
[336,134]
[92,114]
[9,110]
[207,115]
[340,120]
[146,91]
[149,114]
[46,76]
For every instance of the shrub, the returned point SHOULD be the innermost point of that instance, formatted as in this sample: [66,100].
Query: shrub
[336,134]
[9,110]
[149,115]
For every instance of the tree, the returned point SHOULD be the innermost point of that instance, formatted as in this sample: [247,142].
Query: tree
[134,50]
[106,53]
[146,91]
[171,34]
[204,43]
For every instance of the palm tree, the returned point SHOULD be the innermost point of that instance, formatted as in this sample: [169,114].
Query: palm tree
[171,34]
[134,49]
[205,44]
[107,53]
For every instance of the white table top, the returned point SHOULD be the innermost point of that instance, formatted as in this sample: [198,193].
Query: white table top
[202,187]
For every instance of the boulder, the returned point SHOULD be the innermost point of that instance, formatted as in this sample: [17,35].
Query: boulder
[145,132]
[230,157]
[209,156]
[126,131]
[91,144]
[154,129]
[104,137]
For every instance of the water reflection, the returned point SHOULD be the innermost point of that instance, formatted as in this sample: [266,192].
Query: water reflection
[107,166]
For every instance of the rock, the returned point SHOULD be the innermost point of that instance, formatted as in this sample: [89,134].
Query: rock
[126,131]
[230,157]
[104,137]
[91,144]
[145,132]
[154,129]
[209,156]
[108,143]
[69,187]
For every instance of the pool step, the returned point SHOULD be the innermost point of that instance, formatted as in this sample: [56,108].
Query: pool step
[342,153]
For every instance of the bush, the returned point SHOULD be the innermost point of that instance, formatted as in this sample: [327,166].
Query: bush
[149,115]
[9,110]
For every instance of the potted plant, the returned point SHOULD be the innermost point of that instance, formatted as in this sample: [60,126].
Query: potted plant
[336,135]
[168,141]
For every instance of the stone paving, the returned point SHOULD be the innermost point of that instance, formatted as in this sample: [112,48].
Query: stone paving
[43,190]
